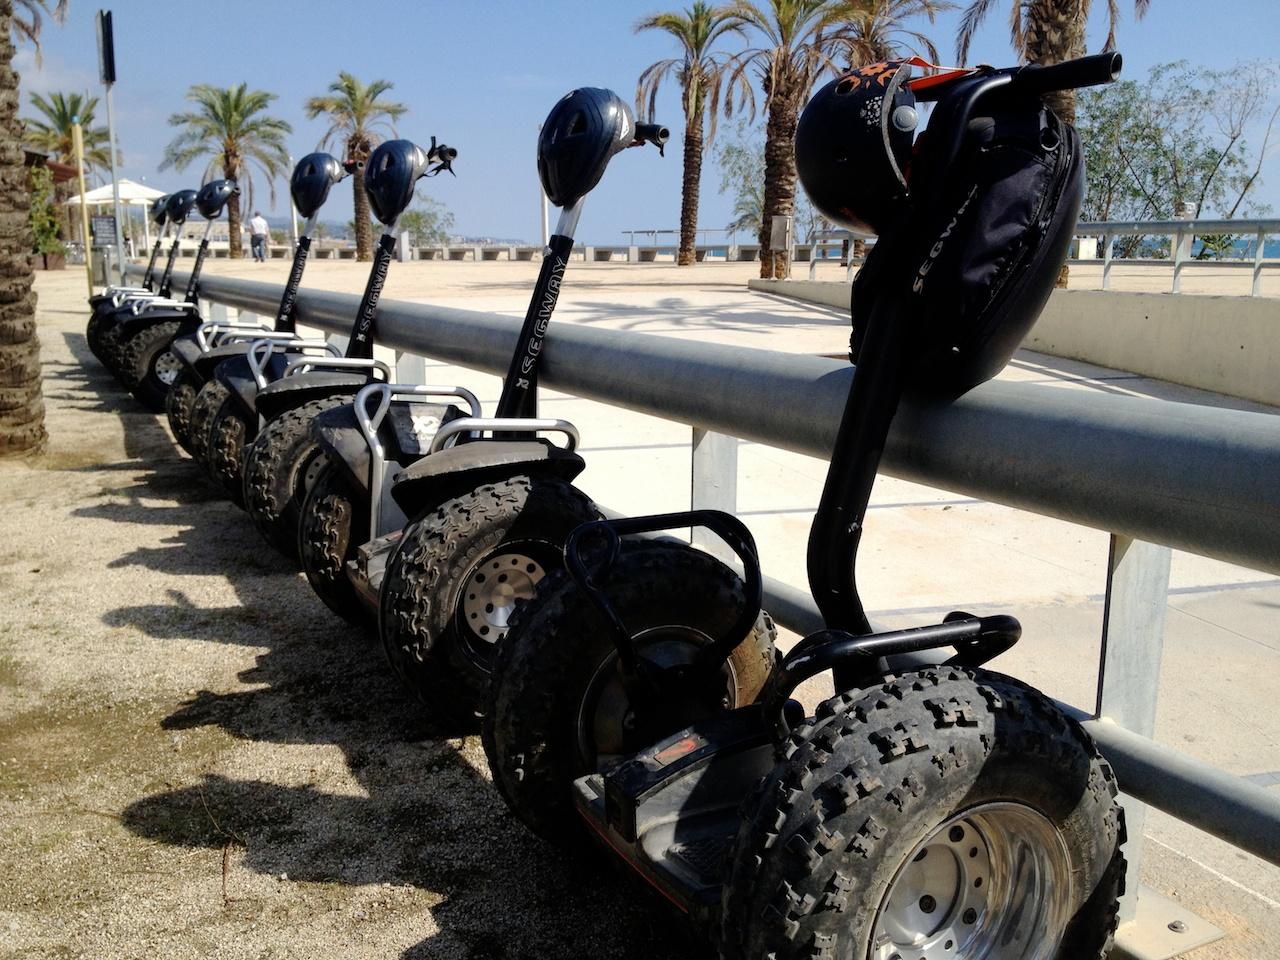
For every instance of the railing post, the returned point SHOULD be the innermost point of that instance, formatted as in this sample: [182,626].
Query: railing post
[410,367]
[1177,260]
[1129,669]
[714,485]
[1106,260]
[1257,263]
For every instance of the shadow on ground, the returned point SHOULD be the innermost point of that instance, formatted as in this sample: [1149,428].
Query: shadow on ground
[423,815]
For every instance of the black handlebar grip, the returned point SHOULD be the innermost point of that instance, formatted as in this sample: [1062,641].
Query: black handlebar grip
[1071,74]
[654,133]
[446,153]
[353,166]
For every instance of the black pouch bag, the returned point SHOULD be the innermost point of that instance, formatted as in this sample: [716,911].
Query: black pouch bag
[983,245]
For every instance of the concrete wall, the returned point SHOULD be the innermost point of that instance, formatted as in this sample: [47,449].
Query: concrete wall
[1229,345]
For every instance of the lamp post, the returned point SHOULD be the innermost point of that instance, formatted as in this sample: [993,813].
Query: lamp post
[77,141]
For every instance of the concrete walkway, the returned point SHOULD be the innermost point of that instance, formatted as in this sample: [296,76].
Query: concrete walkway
[190,717]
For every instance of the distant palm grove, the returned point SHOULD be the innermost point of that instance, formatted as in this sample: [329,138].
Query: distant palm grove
[743,58]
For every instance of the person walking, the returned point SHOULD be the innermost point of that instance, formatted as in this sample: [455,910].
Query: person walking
[259,232]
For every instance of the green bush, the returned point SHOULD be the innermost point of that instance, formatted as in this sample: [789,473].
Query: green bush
[43,215]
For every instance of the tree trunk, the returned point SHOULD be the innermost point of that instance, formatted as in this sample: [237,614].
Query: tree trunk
[364,231]
[1055,32]
[22,430]
[779,181]
[233,227]
[692,184]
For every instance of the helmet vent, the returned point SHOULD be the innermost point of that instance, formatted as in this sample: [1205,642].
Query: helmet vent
[845,87]
[578,125]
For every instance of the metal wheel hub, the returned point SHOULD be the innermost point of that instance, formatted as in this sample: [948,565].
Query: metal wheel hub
[312,471]
[994,881]
[168,366]
[491,593]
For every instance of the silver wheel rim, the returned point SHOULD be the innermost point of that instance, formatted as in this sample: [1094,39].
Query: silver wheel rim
[312,473]
[168,366]
[992,881]
[493,589]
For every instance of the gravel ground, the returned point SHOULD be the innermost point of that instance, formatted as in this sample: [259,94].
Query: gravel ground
[196,759]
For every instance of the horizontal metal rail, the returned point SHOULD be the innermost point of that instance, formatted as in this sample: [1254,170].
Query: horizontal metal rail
[1198,479]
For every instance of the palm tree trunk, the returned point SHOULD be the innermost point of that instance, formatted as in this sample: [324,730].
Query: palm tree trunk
[692,184]
[233,220]
[364,232]
[779,181]
[22,430]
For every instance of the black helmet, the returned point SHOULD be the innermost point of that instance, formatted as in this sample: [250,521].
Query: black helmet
[178,206]
[157,212]
[311,180]
[853,146]
[213,196]
[970,252]
[580,136]
[390,175]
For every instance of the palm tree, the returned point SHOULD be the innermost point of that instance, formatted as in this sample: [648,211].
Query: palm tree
[52,134]
[701,75]
[1046,31]
[230,127]
[22,430]
[357,118]
[800,41]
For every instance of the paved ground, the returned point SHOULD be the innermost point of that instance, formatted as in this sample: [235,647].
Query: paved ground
[195,758]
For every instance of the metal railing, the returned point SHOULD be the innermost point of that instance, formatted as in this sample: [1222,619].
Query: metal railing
[1184,233]
[1155,474]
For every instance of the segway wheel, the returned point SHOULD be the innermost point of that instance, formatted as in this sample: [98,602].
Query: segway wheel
[93,334]
[177,406]
[557,709]
[224,452]
[280,468]
[457,575]
[945,813]
[208,399]
[147,364]
[334,522]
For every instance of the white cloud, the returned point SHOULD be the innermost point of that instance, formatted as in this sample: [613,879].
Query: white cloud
[54,73]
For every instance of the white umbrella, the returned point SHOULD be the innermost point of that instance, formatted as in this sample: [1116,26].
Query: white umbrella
[131,193]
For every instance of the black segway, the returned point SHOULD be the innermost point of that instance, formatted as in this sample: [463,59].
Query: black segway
[104,325]
[944,811]
[353,515]
[196,395]
[144,361]
[279,462]
[490,516]
[115,295]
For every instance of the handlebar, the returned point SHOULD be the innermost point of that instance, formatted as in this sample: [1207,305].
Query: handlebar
[353,166]
[1070,74]
[654,133]
[443,155]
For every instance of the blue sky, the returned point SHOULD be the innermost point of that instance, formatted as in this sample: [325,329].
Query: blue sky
[482,75]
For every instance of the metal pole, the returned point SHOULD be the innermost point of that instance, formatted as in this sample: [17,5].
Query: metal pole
[1257,263]
[77,140]
[293,216]
[714,484]
[1129,674]
[115,182]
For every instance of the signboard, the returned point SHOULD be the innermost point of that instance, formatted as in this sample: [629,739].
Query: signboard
[103,230]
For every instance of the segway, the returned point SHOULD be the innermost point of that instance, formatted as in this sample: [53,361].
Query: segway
[278,464]
[490,516]
[144,361]
[104,325]
[115,294]
[937,811]
[195,395]
[352,520]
